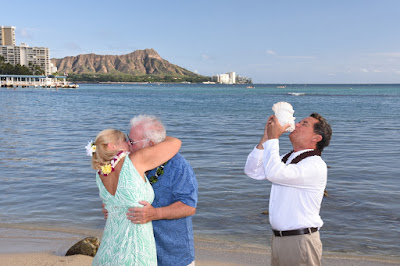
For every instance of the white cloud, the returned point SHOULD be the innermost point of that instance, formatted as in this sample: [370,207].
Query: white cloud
[205,57]
[270,52]
[25,33]
[274,53]
[299,57]
[387,54]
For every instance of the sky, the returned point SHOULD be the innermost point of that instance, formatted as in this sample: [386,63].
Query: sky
[285,41]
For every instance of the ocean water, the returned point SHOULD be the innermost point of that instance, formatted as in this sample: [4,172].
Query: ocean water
[46,179]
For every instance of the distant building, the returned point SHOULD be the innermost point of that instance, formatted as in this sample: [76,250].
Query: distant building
[230,78]
[23,54]
[7,35]
[243,80]
[53,69]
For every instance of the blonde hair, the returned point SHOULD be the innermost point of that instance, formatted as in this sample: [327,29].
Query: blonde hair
[103,154]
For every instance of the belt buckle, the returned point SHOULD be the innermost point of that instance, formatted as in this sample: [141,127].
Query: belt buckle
[280,234]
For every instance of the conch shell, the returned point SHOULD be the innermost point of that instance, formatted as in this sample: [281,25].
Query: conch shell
[284,112]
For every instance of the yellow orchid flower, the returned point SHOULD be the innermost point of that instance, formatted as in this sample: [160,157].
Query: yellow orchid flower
[106,169]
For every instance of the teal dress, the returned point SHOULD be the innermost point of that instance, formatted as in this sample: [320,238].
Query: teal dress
[123,242]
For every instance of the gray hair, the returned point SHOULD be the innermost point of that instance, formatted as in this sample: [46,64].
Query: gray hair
[151,127]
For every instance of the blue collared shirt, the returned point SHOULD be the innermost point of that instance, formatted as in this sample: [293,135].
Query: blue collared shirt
[174,238]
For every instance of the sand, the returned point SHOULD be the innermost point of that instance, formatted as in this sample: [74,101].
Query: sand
[37,247]
[43,258]
[203,257]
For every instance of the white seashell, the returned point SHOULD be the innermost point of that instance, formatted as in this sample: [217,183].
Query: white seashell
[284,112]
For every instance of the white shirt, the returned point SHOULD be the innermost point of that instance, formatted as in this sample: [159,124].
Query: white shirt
[297,189]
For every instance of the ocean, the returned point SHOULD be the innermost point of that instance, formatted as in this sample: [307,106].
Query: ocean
[47,182]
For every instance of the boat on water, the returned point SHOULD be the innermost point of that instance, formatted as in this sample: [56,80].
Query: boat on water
[250,87]
[281,87]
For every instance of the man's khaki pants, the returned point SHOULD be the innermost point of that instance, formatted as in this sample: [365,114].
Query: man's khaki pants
[296,250]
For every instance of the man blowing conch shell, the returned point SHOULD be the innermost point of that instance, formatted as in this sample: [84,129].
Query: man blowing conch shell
[298,182]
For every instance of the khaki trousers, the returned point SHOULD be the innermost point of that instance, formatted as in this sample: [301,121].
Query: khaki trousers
[296,250]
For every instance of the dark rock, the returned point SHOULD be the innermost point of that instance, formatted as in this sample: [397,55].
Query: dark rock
[87,246]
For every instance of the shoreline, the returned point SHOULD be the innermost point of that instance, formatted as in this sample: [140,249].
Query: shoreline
[265,84]
[41,246]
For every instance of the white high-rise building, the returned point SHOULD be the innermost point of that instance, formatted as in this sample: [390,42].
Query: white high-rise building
[228,78]
[232,77]
[23,54]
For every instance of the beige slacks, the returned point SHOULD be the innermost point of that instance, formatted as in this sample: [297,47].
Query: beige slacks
[296,250]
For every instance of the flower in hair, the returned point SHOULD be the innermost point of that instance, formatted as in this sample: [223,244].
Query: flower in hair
[90,148]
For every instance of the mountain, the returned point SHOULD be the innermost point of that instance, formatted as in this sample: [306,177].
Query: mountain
[137,63]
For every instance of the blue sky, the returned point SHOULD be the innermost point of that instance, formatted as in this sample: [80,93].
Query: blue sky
[341,41]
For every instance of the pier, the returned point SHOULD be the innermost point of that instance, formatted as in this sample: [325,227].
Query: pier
[50,81]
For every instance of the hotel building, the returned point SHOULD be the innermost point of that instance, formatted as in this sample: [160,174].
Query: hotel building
[23,54]
[7,35]
[228,78]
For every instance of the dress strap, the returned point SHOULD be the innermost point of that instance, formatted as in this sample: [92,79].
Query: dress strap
[302,156]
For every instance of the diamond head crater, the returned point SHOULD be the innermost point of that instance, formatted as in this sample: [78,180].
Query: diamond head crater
[139,66]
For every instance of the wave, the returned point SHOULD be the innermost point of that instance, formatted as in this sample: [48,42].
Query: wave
[296,93]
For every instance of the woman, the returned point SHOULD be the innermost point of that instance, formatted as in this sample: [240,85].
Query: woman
[122,183]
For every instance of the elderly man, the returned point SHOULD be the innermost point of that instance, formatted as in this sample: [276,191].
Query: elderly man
[298,183]
[175,201]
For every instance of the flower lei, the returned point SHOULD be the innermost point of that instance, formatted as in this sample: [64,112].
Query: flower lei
[108,168]
[159,172]
[90,148]
[301,156]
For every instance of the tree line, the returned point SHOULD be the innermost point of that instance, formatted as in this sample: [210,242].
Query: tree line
[10,69]
[134,78]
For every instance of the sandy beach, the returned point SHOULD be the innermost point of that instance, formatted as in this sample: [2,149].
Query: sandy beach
[40,247]
[204,256]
